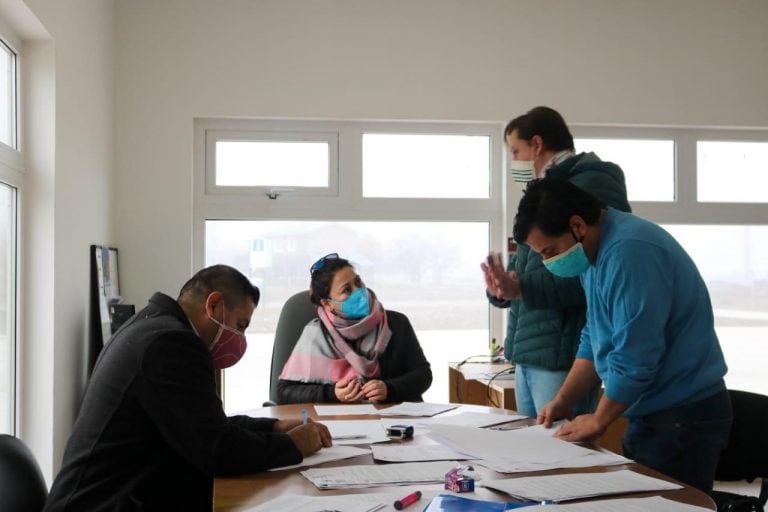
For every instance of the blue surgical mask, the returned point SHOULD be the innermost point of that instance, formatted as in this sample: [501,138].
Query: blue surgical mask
[356,305]
[570,263]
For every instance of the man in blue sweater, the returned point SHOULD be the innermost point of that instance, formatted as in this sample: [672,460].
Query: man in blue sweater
[649,334]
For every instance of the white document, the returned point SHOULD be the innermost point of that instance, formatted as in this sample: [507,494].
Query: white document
[356,431]
[416,409]
[415,452]
[506,444]
[512,465]
[652,504]
[345,410]
[573,486]
[379,475]
[476,419]
[327,455]
[362,502]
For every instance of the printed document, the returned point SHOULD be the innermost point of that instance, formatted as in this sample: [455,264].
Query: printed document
[408,473]
[327,455]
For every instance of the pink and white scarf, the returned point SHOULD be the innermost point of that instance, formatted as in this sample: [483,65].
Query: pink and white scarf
[352,350]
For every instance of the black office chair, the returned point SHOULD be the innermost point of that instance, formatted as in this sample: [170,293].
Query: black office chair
[296,313]
[746,456]
[22,486]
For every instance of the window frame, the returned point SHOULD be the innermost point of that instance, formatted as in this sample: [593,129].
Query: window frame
[349,203]
[12,174]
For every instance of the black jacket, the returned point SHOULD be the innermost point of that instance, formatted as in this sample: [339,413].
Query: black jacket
[404,370]
[151,433]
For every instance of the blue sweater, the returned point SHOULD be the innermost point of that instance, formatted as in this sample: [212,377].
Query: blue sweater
[650,327]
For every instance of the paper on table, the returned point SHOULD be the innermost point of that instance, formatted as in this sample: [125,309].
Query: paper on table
[511,444]
[327,455]
[511,465]
[651,504]
[362,502]
[579,485]
[345,410]
[477,419]
[416,409]
[356,431]
[415,453]
[378,475]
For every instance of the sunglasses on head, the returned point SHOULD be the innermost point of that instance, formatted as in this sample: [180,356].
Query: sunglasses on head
[319,264]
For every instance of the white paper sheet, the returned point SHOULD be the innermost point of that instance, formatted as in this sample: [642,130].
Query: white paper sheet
[377,475]
[476,419]
[512,465]
[651,504]
[345,410]
[362,502]
[579,485]
[356,431]
[327,455]
[415,453]
[416,409]
[506,444]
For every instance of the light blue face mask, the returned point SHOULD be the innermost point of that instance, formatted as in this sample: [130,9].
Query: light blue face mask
[570,263]
[356,305]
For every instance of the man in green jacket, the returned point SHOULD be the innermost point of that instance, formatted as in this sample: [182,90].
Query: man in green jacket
[546,312]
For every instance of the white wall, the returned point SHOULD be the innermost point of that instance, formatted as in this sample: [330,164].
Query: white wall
[68,135]
[688,62]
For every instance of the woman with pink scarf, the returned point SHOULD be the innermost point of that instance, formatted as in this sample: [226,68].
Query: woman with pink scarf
[354,350]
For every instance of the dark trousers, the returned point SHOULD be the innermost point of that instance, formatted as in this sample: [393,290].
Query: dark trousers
[683,442]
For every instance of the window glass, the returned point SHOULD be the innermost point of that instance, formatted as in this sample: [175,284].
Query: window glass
[426,166]
[732,172]
[427,270]
[7,306]
[648,165]
[733,260]
[272,163]
[7,96]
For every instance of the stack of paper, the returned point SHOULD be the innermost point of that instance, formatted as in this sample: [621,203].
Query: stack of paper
[415,453]
[555,488]
[342,503]
[380,475]
[652,504]
[477,419]
[508,451]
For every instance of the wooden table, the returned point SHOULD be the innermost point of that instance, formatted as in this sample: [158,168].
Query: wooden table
[239,493]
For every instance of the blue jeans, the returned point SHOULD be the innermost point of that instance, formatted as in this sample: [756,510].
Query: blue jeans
[535,386]
[683,442]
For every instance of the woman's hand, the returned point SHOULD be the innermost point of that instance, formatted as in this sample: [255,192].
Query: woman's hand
[349,390]
[375,390]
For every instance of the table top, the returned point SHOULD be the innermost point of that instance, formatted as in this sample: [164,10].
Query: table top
[242,492]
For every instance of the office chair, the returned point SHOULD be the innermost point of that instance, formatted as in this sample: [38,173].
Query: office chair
[746,456]
[296,313]
[22,486]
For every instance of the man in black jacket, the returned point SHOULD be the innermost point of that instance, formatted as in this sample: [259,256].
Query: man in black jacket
[152,433]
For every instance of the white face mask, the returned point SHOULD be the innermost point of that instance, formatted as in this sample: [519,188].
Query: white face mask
[521,171]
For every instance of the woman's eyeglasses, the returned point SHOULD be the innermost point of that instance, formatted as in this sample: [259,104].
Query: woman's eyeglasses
[319,264]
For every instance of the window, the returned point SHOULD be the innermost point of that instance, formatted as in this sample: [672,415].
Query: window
[733,260]
[415,206]
[732,172]
[8,106]
[427,270]
[648,165]
[8,294]
[271,163]
[416,165]
[11,179]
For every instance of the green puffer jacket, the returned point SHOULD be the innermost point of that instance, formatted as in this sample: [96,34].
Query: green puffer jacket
[544,327]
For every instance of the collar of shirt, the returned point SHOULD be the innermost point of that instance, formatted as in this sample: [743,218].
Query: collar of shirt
[558,158]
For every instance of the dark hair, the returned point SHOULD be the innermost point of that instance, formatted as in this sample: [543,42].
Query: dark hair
[545,122]
[219,278]
[549,204]
[320,284]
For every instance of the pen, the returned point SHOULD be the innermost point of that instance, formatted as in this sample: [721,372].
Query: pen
[304,416]
[349,436]
[404,502]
